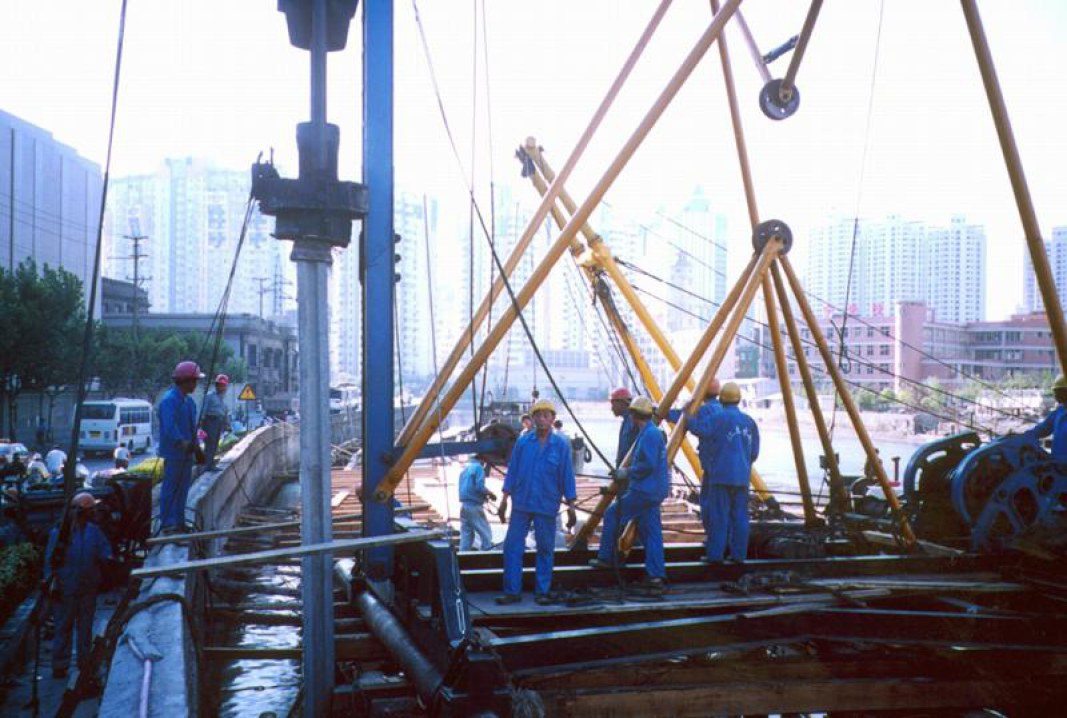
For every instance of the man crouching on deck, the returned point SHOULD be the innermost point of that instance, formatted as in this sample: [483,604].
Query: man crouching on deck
[540,473]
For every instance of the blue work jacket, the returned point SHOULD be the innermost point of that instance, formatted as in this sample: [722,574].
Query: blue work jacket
[1056,424]
[177,423]
[732,439]
[627,436]
[649,474]
[708,409]
[87,549]
[472,484]
[539,476]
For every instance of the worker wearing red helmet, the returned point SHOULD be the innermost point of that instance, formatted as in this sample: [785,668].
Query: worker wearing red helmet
[215,418]
[177,445]
[620,406]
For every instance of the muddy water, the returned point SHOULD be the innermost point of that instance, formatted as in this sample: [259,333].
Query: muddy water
[258,687]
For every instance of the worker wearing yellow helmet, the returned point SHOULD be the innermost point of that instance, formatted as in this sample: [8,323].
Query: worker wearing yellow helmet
[733,446]
[647,481]
[540,475]
[1056,422]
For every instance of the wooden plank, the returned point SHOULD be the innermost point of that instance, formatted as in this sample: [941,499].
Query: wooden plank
[273,555]
[262,528]
[934,549]
[339,497]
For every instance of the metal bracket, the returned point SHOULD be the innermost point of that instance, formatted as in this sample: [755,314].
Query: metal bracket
[775,103]
[772,229]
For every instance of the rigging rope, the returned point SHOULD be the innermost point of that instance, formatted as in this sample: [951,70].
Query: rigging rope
[496,257]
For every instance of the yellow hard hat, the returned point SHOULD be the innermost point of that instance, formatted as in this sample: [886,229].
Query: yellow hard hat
[730,394]
[1060,383]
[643,406]
[542,405]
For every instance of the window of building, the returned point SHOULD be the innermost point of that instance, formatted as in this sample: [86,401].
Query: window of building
[883,350]
[253,355]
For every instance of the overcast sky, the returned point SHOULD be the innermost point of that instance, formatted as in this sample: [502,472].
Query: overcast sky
[219,80]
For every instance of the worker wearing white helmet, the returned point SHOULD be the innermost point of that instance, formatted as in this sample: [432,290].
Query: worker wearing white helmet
[121,456]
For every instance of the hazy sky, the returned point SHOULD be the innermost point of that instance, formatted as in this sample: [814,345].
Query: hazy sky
[219,80]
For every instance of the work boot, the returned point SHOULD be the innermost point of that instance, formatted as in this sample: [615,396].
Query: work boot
[597,563]
[507,599]
[653,586]
[544,599]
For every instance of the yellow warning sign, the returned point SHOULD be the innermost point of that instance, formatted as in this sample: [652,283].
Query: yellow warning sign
[248,393]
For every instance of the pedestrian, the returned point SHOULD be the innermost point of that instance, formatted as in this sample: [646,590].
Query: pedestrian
[527,423]
[620,406]
[647,482]
[121,456]
[539,475]
[732,439]
[177,445]
[76,553]
[216,419]
[1056,422]
[472,497]
[54,460]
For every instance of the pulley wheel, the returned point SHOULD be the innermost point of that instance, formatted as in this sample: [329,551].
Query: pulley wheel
[505,433]
[770,229]
[774,105]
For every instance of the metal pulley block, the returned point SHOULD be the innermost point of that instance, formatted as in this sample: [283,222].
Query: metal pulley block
[778,102]
[772,229]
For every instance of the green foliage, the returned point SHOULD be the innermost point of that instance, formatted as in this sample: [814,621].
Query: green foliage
[142,367]
[20,569]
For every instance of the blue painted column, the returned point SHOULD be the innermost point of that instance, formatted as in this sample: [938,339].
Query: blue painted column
[377,268]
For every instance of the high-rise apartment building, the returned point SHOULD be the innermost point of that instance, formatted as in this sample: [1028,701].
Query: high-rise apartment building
[1056,251]
[49,200]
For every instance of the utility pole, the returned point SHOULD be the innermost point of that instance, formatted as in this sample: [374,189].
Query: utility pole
[262,290]
[136,239]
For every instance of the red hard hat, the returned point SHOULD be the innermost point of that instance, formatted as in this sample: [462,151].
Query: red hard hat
[622,393]
[187,370]
[222,379]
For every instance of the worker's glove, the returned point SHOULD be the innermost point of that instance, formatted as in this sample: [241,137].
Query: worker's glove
[200,458]
[502,512]
[572,517]
[490,495]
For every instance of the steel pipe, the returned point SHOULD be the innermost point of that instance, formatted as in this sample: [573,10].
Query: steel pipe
[480,315]
[387,629]
[392,479]
[1027,214]
[846,398]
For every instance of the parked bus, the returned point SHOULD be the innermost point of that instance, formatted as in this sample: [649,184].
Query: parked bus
[109,424]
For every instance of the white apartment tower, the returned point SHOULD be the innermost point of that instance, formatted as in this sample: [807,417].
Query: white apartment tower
[1056,250]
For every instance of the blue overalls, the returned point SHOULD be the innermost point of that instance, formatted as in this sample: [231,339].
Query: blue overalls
[177,423]
[1056,424]
[539,475]
[472,496]
[627,437]
[78,579]
[732,439]
[649,485]
[708,409]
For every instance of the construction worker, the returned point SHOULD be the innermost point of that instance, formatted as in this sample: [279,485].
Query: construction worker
[1056,422]
[472,498]
[121,455]
[620,406]
[215,418]
[55,460]
[177,445]
[540,473]
[76,552]
[732,440]
[647,481]
[710,406]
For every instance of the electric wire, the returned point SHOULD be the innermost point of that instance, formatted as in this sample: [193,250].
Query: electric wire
[492,189]
[496,257]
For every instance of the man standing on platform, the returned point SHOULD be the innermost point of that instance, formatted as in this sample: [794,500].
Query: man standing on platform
[472,498]
[540,474]
[732,439]
[648,483]
[178,446]
[216,418]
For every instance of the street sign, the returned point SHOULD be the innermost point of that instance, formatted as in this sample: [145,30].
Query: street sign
[248,393]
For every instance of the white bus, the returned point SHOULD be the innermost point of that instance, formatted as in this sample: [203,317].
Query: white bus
[109,424]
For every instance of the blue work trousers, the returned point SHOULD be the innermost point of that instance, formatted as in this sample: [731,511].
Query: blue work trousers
[213,428]
[649,530]
[73,612]
[515,545]
[724,510]
[472,522]
[177,478]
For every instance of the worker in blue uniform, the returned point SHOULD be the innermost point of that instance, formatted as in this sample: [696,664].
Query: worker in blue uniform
[178,446]
[620,406]
[1056,422]
[540,474]
[73,560]
[710,406]
[472,497]
[648,482]
[732,439]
